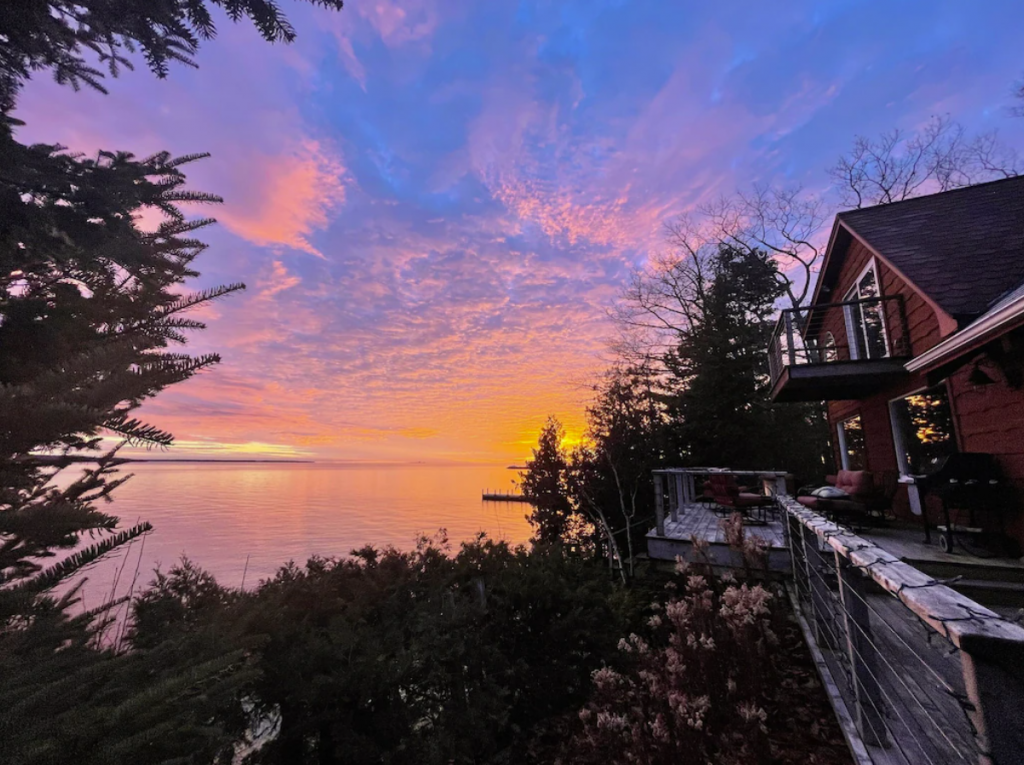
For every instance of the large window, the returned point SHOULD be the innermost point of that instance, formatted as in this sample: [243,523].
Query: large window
[922,426]
[852,451]
[865,321]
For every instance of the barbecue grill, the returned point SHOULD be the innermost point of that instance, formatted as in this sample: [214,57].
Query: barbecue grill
[966,482]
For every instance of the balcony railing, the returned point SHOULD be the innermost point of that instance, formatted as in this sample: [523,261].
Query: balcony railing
[838,333]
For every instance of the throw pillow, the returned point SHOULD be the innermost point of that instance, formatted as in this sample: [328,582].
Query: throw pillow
[830,492]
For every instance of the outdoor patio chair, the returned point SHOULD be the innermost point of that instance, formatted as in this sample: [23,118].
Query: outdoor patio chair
[705,495]
[729,494]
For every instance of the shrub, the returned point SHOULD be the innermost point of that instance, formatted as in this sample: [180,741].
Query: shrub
[694,688]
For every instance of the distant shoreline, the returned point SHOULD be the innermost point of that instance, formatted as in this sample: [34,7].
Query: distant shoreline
[285,461]
[200,459]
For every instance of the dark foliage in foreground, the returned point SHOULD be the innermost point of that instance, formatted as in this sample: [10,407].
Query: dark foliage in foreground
[485,654]
[68,697]
[432,656]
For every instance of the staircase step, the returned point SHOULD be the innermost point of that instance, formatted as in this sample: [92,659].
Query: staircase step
[969,570]
[991,593]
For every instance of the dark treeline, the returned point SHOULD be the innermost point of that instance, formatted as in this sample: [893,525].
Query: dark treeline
[480,654]
[694,394]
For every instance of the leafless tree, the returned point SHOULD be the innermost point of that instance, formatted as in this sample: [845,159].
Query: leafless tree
[788,223]
[899,165]
[664,298]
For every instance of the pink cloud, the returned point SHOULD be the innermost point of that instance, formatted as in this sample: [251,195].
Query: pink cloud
[399,24]
[280,200]
[531,164]
[278,281]
[396,25]
[349,59]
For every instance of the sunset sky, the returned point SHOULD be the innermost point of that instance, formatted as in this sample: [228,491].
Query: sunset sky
[435,202]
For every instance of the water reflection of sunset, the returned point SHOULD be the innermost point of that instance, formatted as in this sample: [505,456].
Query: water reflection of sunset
[235,518]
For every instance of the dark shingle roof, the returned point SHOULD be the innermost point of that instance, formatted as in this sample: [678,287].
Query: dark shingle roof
[963,248]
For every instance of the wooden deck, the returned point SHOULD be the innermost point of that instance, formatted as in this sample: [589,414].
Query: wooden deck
[907,543]
[919,680]
[996,582]
[700,521]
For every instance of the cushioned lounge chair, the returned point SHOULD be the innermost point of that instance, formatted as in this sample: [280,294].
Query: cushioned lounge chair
[867,499]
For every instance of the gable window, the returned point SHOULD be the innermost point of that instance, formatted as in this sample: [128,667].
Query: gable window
[852,449]
[865,319]
[922,428]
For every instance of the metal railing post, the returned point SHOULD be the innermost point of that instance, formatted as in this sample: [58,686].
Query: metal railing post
[790,345]
[775,351]
[815,587]
[863,661]
[993,669]
[907,350]
[680,496]
[659,505]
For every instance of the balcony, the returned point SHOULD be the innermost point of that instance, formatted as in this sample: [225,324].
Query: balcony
[836,351]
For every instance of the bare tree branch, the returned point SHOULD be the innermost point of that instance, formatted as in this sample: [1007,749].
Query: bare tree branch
[897,165]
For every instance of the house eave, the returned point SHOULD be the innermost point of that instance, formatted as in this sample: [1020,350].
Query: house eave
[984,330]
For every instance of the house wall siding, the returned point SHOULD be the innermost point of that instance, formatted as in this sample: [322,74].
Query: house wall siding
[921,333]
[987,418]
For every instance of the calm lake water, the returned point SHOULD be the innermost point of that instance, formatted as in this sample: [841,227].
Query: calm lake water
[220,513]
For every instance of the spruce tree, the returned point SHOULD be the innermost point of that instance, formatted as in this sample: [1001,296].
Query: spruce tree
[90,303]
[92,320]
[718,370]
[79,40]
[718,382]
[90,307]
[544,484]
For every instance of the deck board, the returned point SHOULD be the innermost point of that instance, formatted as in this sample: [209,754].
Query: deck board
[932,718]
[907,543]
[700,521]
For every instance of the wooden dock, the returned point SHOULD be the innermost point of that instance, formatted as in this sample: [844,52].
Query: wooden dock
[502,496]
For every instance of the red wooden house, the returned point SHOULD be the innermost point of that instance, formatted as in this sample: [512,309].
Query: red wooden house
[915,338]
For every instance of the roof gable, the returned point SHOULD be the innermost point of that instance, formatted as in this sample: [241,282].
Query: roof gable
[962,249]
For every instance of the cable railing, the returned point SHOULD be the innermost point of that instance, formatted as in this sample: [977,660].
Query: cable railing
[921,673]
[854,330]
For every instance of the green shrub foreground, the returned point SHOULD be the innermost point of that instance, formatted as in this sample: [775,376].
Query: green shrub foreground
[480,654]
[429,656]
